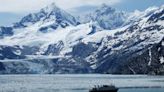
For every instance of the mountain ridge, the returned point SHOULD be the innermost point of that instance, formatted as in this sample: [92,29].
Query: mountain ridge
[84,47]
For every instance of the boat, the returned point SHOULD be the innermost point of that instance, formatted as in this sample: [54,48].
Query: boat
[104,88]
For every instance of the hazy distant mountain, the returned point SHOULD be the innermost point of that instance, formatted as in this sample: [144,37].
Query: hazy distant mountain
[106,16]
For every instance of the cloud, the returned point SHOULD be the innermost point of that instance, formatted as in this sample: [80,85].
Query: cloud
[17,6]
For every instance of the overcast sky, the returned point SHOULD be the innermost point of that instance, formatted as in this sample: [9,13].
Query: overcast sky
[13,10]
[18,6]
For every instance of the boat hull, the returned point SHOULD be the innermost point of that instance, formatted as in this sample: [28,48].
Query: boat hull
[104,90]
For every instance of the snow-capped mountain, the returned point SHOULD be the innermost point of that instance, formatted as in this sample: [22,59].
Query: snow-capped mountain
[35,46]
[130,42]
[107,17]
[47,19]
[51,16]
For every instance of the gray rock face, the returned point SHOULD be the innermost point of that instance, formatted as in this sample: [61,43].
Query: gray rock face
[145,61]
[149,62]
[82,50]
[2,67]
[6,31]
[9,52]
[54,49]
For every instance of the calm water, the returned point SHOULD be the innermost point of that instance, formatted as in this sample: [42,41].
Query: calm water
[79,83]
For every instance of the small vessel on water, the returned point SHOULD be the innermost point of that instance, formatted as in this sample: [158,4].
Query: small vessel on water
[104,88]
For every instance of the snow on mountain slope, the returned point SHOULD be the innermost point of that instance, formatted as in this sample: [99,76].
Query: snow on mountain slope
[30,36]
[106,16]
[106,48]
[86,47]
[137,15]
[115,50]
[52,14]
[47,19]
[98,36]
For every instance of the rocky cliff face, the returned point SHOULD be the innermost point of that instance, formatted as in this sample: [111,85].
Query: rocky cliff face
[149,62]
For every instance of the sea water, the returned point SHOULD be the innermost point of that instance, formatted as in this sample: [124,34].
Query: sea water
[79,82]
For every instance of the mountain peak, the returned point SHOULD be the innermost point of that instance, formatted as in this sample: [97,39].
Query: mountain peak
[50,8]
[49,13]
[105,8]
[104,5]
[108,17]
[53,4]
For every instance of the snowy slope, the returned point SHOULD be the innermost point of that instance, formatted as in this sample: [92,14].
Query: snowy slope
[128,43]
[30,36]
[53,40]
